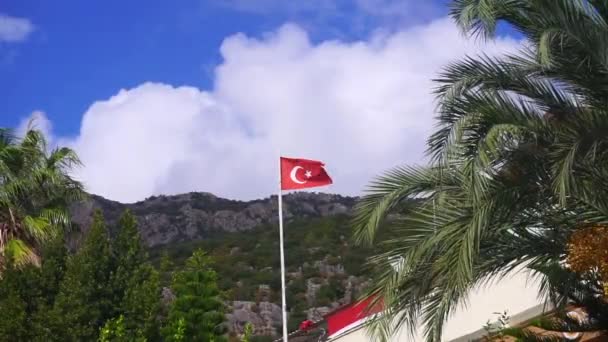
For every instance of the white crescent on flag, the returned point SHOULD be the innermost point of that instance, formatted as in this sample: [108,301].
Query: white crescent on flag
[294,177]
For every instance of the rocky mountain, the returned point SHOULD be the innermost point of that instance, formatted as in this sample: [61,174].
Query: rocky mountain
[324,268]
[193,216]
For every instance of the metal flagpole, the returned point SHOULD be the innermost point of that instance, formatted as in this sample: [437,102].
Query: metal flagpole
[284,304]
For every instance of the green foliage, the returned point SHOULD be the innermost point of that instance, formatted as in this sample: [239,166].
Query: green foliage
[165,268]
[209,202]
[296,286]
[44,285]
[69,298]
[516,163]
[295,292]
[129,254]
[52,270]
[326,295]
[178,334]
[27,293]
[248,331]
[85,299]
[135,282]
[113,330]
[295,318]
[35,191]
[141,304]
[13,316]
[542,322]
[198,308]
[253,258]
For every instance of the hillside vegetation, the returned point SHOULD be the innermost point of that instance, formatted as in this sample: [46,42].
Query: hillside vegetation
[324,268]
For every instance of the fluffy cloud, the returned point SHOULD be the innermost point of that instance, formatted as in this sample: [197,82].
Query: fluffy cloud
[361,107]
[14,29]
[37,120]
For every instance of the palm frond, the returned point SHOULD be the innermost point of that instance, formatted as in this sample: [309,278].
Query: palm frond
[387,192]
[63,159]
[507,74]
[35,191]
[7,137]
[20,253]
[38,228]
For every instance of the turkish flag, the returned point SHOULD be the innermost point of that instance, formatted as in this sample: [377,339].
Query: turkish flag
[302,174]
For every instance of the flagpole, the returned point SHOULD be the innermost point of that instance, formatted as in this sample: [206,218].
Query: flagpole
[284,300]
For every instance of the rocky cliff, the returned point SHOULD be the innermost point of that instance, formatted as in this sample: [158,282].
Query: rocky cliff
[193,216]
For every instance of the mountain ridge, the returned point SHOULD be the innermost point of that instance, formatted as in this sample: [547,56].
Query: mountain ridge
[191,216]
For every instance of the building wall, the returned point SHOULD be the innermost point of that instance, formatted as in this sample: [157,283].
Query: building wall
[516,293]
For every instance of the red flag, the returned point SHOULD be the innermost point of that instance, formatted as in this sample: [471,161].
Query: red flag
[302,174]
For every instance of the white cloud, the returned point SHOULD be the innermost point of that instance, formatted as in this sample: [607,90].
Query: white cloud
[37,120]
[14,29]
[361,107]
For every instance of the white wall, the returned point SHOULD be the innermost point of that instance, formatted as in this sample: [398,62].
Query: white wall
[515,293]
[355,336]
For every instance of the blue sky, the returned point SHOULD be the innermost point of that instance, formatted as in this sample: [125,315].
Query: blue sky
[161,97]
[81,51]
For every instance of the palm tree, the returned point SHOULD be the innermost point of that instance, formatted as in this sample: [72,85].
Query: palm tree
[35,191]
[518,157]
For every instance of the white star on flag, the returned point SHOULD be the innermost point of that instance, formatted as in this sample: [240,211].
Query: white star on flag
[308,174]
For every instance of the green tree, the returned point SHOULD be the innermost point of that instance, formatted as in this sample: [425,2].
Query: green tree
[129,254]
[197,313]
[35,190]
[13,316]
[98,285]
[27,293]
[85,299]
[47,280]
[136,283]
[166,267]
[517,161]
[141,305]
[52,270]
